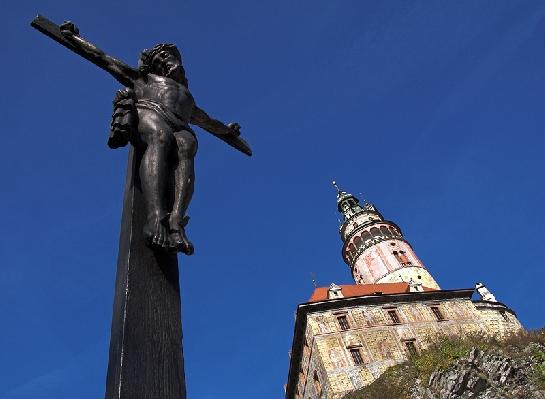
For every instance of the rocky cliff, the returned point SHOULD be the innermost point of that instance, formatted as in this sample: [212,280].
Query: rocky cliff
[467,369]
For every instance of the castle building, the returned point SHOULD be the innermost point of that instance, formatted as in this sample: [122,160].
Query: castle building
[346,336]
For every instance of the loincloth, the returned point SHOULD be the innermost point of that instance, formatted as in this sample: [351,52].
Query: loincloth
[173,120]
[125,118]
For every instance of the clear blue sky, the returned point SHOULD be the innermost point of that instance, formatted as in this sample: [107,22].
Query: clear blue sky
[433,109]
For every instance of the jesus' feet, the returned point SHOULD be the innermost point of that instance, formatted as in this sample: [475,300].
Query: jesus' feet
[180,243]
[156,232]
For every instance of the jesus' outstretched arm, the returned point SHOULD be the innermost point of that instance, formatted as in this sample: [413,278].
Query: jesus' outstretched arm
[201,119]
[123,73]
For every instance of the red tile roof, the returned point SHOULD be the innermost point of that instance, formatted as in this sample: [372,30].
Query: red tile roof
[320,293]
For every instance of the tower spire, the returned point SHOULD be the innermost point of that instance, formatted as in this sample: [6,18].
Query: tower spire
[374,248]
[348,204]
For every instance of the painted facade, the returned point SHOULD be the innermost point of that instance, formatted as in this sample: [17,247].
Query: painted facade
[347,336]
[337,359]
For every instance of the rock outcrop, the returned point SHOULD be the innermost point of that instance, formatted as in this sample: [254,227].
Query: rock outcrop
[485,375]
[466,370]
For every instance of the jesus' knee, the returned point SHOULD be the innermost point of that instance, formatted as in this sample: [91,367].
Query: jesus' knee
[186,144]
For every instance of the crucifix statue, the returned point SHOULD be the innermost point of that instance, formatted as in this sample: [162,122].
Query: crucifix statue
[153,113]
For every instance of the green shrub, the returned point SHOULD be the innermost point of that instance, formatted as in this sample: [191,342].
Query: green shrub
[394,383]
[397,381]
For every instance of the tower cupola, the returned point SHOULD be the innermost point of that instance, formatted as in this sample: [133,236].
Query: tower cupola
[374,248]
[354,215]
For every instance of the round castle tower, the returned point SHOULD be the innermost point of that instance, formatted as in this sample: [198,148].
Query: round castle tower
[375,249]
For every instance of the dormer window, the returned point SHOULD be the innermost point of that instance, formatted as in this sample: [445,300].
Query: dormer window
[415,286]
[334,291]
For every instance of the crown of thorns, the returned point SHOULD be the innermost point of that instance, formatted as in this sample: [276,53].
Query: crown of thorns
[146,57]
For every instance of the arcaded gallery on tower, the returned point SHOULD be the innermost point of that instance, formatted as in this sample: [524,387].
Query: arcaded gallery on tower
[346,336]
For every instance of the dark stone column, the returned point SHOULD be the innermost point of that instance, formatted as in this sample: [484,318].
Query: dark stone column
[146,360]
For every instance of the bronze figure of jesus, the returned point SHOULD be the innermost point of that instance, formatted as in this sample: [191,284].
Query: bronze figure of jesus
[153,113]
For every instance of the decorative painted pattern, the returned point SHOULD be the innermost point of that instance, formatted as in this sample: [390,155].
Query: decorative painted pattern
[382,343]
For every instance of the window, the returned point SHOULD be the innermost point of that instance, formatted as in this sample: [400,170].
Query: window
[357,242]
[394,317]
[401,257]
[356,356]
[502,312]
[437,313]
[411,347]
[375,232]
[352,250]
[366,236]
[317,384]
[343,322]
[404,259]
[385,231]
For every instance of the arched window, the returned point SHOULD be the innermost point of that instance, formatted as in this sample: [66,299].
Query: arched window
[357,242]
[385,231]
[366,236]
[394,232]
[375,232]
[351,252]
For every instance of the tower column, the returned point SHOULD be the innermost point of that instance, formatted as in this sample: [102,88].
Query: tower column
[375,249]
